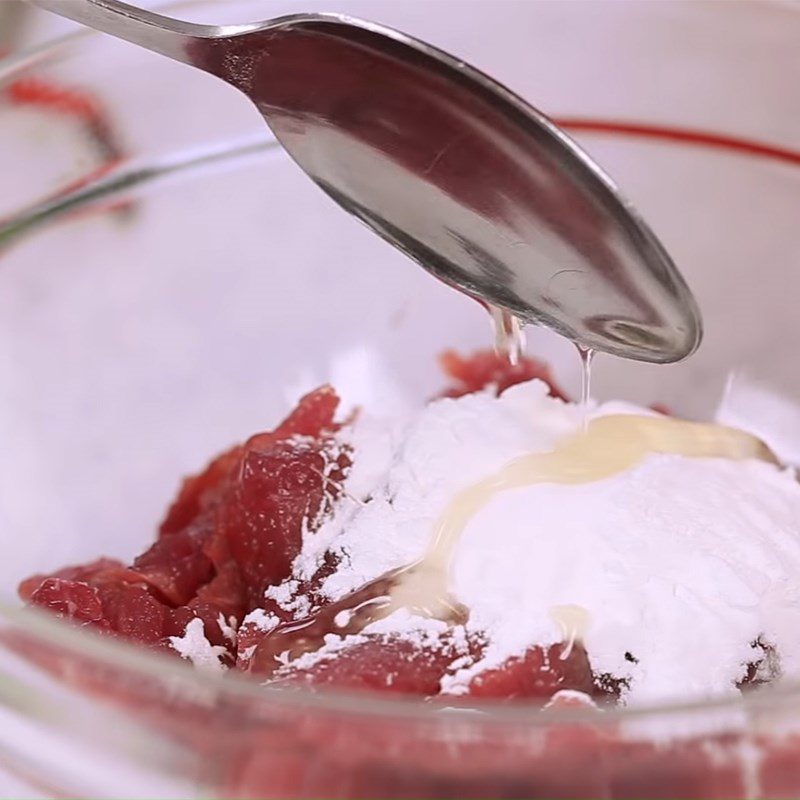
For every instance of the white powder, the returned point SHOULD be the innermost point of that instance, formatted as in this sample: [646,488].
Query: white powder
[194,647]
[286,596]
[262,620]
[227,627]
[681,563]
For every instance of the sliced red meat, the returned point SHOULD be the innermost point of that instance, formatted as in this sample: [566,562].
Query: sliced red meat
[380,663]
[199,492]
[313,416]
[539,673]
[284,487]
[121,608]
[224,592]
[486,368]
[176,565]
[103,570]
[233,530]
[72,600]
[133,613]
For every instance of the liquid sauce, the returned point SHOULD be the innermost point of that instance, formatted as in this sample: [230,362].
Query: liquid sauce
[605,447]
[509,340]
[573,621]
[586,354]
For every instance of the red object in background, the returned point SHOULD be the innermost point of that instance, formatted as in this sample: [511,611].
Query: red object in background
[80,106]
[675,135]
[71,103]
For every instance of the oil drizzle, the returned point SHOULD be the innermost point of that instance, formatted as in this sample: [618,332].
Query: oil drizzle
[509,339]
[574,622]
[587,355]
[609,445]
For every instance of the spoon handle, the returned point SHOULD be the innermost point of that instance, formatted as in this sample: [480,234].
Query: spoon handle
[164,35]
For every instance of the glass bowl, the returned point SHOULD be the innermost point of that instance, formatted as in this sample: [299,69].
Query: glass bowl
[170,282]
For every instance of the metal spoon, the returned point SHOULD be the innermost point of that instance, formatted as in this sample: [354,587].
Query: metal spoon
[449,166]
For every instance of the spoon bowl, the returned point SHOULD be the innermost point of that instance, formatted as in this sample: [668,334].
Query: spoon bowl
[452,168]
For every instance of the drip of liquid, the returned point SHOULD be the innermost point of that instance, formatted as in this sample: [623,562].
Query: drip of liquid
[608,446]
[573,621]
[586,354]
[509,340]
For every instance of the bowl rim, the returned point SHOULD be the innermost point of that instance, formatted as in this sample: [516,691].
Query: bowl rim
[131,658]
[36,625]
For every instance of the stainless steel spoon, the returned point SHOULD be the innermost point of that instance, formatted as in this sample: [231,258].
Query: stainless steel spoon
[449,166]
